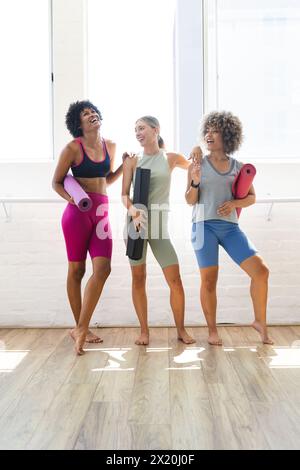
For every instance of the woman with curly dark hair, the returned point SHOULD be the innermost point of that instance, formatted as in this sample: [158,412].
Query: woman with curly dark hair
[91,160]
[215,220]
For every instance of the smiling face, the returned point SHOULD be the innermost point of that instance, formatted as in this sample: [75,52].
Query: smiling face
[90,120]
[213,140]
[145,134]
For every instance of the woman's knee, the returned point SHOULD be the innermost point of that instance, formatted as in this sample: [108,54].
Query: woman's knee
[209,284]
[76,272]
[175,282]
[101,274]
[262,273]
[138,280]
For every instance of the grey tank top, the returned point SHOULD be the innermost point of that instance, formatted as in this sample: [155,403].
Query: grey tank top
[160,179]
[215,189]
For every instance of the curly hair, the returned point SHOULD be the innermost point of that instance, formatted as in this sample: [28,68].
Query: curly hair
[229,126]
[73,121]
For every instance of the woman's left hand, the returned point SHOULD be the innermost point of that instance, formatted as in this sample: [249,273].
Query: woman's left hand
[127,155]
[196,155]
[124,156]
[226,208]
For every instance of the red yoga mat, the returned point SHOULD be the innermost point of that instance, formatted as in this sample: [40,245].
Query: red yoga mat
[81,199]
[242,183]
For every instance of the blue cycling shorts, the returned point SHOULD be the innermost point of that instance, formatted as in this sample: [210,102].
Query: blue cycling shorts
[209,234]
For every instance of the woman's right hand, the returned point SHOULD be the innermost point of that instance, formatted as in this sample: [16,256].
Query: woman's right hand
[196,172]
[139,218]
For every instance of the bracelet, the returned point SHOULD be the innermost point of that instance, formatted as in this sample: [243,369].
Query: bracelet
[195,185]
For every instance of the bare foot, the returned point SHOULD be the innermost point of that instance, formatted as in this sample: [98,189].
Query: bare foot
[263,332]
[185,338]
[214,339]
[92,338]
[143,339]
[78,335]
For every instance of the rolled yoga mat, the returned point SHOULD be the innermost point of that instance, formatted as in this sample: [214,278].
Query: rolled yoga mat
[81,199]
[242,183]
[135,241]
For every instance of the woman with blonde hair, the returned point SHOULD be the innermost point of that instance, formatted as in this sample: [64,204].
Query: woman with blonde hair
[161,164]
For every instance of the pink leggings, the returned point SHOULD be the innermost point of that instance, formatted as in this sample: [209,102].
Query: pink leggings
[88,231]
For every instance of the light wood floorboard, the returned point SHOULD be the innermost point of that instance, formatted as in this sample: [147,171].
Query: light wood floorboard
[168,395]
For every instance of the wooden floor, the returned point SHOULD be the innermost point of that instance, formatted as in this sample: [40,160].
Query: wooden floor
[165,396]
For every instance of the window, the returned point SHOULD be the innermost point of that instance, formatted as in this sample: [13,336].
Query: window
[25,92]
[130,66]
[253,71]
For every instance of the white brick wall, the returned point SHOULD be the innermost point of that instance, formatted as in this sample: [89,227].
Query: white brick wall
[33,268]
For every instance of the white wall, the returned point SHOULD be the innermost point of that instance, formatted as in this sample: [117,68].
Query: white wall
[34,180]
[33,268]
[32,254]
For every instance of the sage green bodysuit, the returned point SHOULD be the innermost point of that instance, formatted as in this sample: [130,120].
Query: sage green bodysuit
[158,210]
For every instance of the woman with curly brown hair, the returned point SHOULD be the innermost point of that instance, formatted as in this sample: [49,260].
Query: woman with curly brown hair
[215,220]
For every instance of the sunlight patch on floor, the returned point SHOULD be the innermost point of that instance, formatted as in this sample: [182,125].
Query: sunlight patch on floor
[9,360]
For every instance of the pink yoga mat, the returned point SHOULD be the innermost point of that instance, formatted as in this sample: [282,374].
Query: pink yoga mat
[242,183]
[81,199]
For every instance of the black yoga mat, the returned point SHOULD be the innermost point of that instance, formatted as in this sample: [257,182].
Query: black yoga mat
[135,242]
